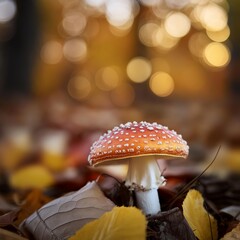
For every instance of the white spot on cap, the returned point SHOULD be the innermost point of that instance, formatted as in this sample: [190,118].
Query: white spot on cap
[130,150]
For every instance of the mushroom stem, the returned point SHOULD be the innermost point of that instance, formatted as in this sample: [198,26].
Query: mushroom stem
[144,177]
[148,201]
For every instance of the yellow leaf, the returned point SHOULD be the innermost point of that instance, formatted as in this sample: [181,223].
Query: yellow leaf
[54,161]
[201,222]
[33,176]
[118,224]
[12,156]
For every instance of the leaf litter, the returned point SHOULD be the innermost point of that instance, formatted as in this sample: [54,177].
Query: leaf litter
[63,217]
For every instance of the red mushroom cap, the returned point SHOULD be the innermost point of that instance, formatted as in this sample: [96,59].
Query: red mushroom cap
[137,139]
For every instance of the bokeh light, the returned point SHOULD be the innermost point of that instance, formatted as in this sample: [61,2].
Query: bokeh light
[197,42]
[139,69]
[216,54]
[7,10]
[95,3]
[107,78]
[147,32]
[161,84]
[177,24]
[52,52]
[74,23]
[118,13]
[150,3]
[122,30]
[165,41]
[213,17]
[75,50]
[175,4]
[219,36]
[79,87]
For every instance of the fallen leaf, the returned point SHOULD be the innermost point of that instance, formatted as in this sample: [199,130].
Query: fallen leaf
[169,225]
[121,223]
[233,235]
[54,161]
[34,200]
[8,218]
[115,190]
[202,223]
[5,206]
[33,176]
[233,211]
[62,217]
[7,235]
[12,155]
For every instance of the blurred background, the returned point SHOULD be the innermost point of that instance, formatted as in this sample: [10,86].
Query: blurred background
[72,69]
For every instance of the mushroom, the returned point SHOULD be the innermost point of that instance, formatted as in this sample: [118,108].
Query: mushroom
[140,144]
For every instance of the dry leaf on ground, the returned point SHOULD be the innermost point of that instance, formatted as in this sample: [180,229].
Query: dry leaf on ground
[202,223]
[233,235]
[5,206]
[8,218]
[34,200]
[33,176]
[121,223]
[62,217]
[169,224]
[7,235]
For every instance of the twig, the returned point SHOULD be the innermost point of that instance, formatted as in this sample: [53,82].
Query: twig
[191,183]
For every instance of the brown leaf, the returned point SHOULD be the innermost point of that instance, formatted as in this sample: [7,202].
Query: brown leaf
[6,206]
[169,225]
[34,200]
[115,190]
[233,235]
[62,217]
[7,235]
[8,218]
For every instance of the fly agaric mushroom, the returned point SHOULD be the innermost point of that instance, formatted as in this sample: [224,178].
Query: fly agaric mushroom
[141,144]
